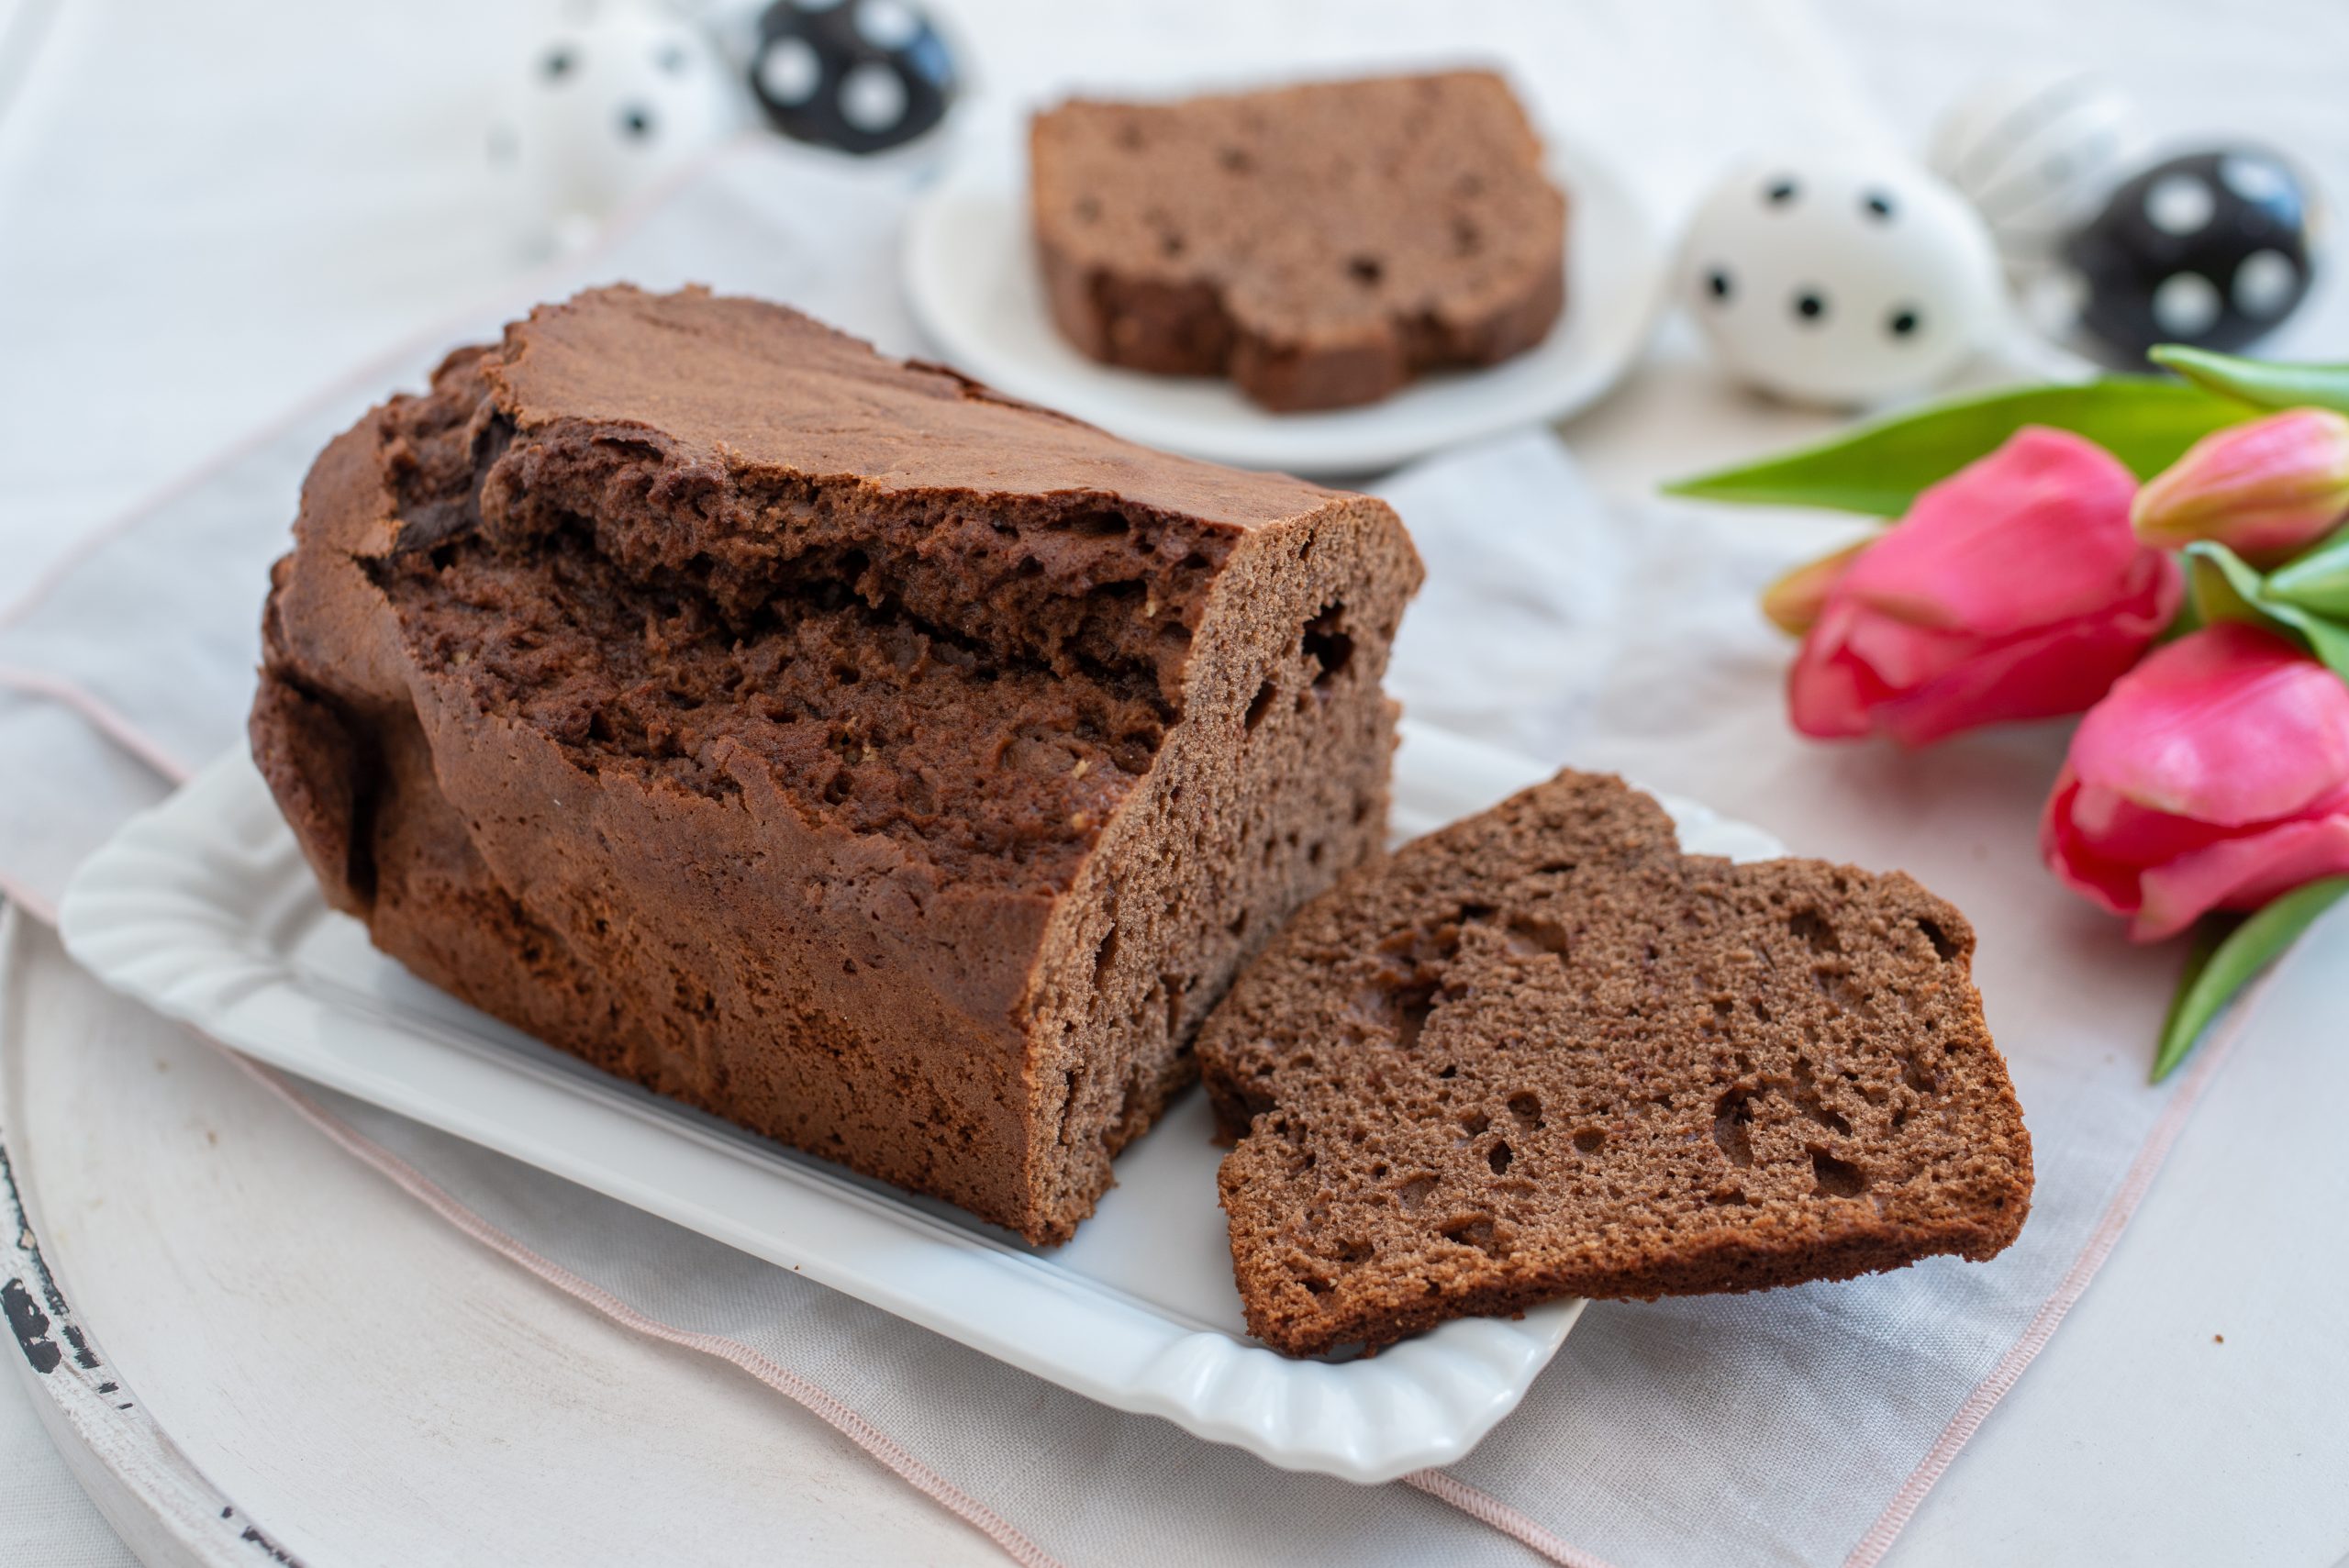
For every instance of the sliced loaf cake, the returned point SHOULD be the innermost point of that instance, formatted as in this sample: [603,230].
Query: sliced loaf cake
[1543,1054]
[896,769]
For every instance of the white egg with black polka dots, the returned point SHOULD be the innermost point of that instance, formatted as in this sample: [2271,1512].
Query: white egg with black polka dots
[1839,282]
[613,100]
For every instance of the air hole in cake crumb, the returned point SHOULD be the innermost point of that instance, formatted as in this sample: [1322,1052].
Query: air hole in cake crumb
[1354,1250]
[1590,1142]
[1732,1115]
[1415,1193]
[1105,956]
[1812,928]
[1317,1285]
[841,785]
[1918,1076]
[1451,1070]
[1527,1108]
[1474,1122]
[1258,704]
[1329,646]
[1475,1231]
[1532,935]
[1411,1013]
[848,967]
[1366,270]
[1835,1178]
[1944,948]
[1099,524]
[1378,1172]
[1313,855]
[1761,1010]
[1238,924]
[1731,1199]
[1362,811]
[1499,1158]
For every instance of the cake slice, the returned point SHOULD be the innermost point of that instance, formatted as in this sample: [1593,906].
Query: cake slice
[894,769]
[1320,244]
[1542,1053]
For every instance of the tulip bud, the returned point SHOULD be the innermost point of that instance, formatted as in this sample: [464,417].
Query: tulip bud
[1794,601]
[2267,490]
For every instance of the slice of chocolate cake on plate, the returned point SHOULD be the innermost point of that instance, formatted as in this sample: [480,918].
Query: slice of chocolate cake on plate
[1542,1053]
[1320,244]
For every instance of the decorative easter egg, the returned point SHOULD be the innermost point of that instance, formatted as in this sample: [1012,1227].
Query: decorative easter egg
[2211,249]
[1841,282]
[615,98]
[2037,153]
[859,75]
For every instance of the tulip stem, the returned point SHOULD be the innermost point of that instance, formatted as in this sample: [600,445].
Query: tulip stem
[2226,954]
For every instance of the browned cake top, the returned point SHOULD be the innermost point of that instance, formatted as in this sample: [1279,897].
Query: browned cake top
[1543,1054]
[762,388]
[1316,212]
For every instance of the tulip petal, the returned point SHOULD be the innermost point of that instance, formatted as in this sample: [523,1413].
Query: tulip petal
[2241,873]
[2047,496]
[2047,674]
[1829,692]
[2232,724]
[2115,826]
[2075,862]
[2265,488]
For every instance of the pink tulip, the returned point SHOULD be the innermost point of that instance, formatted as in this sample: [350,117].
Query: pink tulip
[2267,490]
[2012,590]
[2214,777]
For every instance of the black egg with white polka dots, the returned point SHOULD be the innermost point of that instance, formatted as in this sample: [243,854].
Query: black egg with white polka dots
[2210,248]
[857,76]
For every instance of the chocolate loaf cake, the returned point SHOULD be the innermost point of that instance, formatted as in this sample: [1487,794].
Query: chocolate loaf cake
[889,767]
[1542,1053]
[1320,244]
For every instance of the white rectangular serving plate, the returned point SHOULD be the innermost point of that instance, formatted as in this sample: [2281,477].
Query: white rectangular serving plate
[204,910]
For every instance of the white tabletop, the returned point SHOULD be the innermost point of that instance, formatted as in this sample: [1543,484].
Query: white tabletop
[203,217]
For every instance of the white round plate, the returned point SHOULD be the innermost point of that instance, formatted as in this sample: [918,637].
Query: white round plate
[971,278]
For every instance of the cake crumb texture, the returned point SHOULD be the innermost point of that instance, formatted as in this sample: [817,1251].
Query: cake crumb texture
[1542,1053]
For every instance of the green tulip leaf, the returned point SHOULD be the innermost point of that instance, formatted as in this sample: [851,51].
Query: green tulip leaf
[2265,383]
[2215,972]
[2317,579]
[2227,588]
[1878,469]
